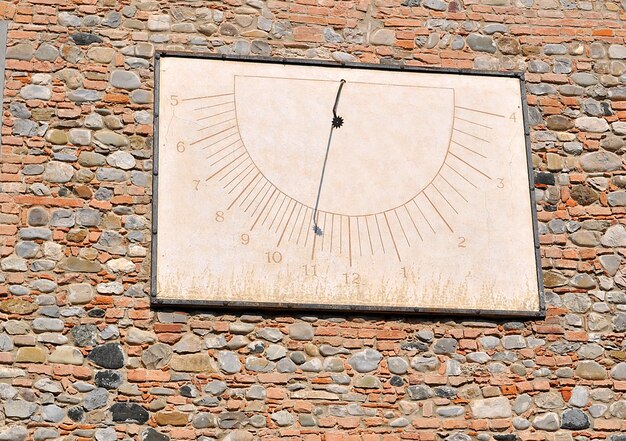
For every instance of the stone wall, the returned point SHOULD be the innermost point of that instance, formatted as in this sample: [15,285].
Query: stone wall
[82,354]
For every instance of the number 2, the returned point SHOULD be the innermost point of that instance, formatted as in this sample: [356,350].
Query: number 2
[461,243]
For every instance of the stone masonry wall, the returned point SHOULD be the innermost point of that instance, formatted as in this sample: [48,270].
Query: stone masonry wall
[82,354]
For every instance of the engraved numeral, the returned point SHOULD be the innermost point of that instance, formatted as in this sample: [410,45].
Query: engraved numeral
[461,243]
[352,278]
[500,183]
[219,216]
[180,147]
[513,117]
[245,239]
[174,100]
[274,257]
[310,270]
[197,181]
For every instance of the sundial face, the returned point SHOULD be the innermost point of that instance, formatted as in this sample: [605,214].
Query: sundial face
[313,186]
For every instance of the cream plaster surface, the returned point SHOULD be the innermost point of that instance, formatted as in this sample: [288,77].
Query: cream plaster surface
[425,182]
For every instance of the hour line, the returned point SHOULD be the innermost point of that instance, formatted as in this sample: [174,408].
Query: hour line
[369,235]
[295,223]
[225,156]
[277,211]
[216,124]
[263,209]
[302,225]
[284,213]
[413,222]
[251,192]
[358,233]
[393,240]
[468,134]
[214,105]
[444,198]
[220,140]
[214,134]
[461,175]
[261,201]
[286,224]
[438,212]
[467,148]
[402,228]
[216,114]
[479,111]
[470,165]
[473,122]
[222,169]
[207,97]
[452,186]
[242,191]
[223,148]
[241,180]
[424,216]
[382,244]
[349,242]
[234,169]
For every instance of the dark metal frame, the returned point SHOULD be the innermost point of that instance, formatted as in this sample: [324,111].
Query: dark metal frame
[155,301]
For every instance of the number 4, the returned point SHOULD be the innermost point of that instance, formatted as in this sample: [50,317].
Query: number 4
[513,117]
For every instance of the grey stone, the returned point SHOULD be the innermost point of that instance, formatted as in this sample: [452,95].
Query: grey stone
[20,51]
[44,433]
[312,365]
[123,79]
[554,49]
[617,51]
[270,334]
[590,370]
[19,409]
[258,364]
[52,413]
[84,95]
[109,138]
[615,236]
[580,396]
[120,159]
[618,372]
[140,96]
[383,37]
[41,324]
[26,249]
[24,127]
[592,124]
[301,331]
[397,365]
[366,360]
[286,365]
[419,392]
[84,38]
[436,5]
[129,412]
[88,217]
[424,364]
[574,419]
[547,421]
[497,407]
[109,355]
[229,362]
[15,433]
[445,346]
[110,175]
[58,172]
[481,43]
[600,161]
[46,52]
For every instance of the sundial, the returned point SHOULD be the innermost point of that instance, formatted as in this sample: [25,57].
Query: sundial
[313,186]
